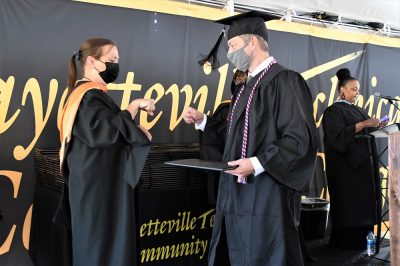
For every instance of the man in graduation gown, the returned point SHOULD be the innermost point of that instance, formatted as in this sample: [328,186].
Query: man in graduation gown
[272,139]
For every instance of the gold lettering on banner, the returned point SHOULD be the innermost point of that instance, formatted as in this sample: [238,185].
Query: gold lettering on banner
[127,88]
[322,99]
[332,93]
[369,105]
[15,178]
[378,112]
[201,96]
[196,247]
[322,156]
[159,89]
[359,101]
[394,112]
[174,90]
[204,217]
[223,71]
[315,71]
[185,222]
[32,87]
[7,244]
[5,247]
[26,230]
[6,89]
[319,98]
[176,116]
[61,106]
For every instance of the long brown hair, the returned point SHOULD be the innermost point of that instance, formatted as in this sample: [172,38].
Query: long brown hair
[90,47]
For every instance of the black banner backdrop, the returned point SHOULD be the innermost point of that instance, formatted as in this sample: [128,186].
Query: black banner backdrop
[159,54]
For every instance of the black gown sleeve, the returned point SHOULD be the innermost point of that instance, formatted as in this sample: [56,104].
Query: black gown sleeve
[100,124]
[290,159]
[212,144]
[212,140]
[339,135]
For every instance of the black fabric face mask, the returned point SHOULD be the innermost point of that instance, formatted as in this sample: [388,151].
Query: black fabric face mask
[110,73]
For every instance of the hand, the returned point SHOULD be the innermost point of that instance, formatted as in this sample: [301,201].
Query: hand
[191,115]
[147,105]
[371,122]
[244,169]
[383,124]
[145,131]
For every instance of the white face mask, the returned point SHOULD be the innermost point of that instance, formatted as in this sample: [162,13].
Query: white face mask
[239,58]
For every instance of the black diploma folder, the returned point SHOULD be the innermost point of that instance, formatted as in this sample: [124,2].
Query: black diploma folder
[202,164]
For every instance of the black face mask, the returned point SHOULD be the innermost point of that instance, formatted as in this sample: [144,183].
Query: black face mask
[110,73]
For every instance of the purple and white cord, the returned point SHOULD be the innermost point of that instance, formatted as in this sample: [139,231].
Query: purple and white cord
[243,180]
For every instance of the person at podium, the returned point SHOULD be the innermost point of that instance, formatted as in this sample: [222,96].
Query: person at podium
[349,169]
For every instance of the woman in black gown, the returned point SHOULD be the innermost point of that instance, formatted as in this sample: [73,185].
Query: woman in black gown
[349,168]
[102,155]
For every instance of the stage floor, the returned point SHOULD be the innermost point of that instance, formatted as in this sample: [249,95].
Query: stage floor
[326,255]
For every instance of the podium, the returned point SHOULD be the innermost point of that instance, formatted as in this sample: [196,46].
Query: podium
[394,197]
[164,195]
[385,132]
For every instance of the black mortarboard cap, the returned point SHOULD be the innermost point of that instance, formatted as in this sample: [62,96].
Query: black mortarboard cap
[252,22]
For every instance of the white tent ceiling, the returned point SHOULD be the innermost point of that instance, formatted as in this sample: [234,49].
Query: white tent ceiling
[383,11]
[386,12]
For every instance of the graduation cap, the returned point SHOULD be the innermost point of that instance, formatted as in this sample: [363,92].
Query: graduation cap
[252,22]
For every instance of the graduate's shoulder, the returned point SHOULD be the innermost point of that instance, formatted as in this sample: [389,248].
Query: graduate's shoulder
[287,80]
[278,75]
[285,74]
[95,94]
[96,98]
[335,108]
